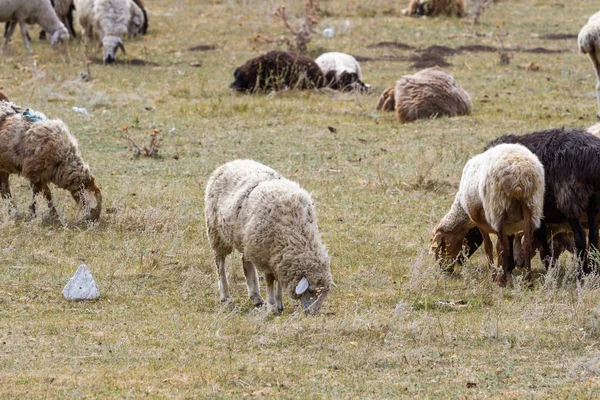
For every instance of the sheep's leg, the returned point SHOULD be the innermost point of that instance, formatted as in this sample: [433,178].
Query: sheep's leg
[580,243]
[592,211]
[503,247]
[279,297]
[527,238]
[271,297]
[10,29]
[4,186]
[252,283]
[595,56]
[488,246]
[222,274]
[546,254]
[25,35]
[511,253]
[45,190]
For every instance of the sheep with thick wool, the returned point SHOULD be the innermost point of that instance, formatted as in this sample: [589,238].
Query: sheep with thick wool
[342,71]
[272,222]
[277,70]
[44,151]
[436,7]
[430,93]
[110,21]
[501,192]
[588,41]
[31,12]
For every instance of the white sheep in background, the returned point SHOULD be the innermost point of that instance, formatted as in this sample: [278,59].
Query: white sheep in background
[31,12]
[589,43]
[501,192]
[341,71]
[110,21]
[272,222]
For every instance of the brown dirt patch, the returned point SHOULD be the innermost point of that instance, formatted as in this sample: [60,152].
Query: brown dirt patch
[477,48]
[428,60]
[140,63]
[203,47]
[541,50]
[442,51]
[396,45]
[559,36]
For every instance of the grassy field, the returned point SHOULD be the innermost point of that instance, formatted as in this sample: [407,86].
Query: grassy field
[396,326]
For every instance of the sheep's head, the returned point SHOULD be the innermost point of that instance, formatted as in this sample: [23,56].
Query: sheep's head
[387,100]
[59,35]
[240,82]
[89,198]
[110,45]
[312,288]
[448,248]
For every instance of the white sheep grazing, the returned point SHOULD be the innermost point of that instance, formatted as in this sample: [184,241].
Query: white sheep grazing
[109,20]
[501,192]
[31,12]
[589,43]
[341,71]
[272,222]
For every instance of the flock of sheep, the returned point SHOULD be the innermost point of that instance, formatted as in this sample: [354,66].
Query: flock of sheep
[536,191]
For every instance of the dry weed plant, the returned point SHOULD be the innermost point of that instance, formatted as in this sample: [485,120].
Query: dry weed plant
[149,150]
[503,52]
[300,33]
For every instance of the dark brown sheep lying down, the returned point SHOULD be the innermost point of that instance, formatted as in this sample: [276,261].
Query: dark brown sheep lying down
[44,151]
[277,70]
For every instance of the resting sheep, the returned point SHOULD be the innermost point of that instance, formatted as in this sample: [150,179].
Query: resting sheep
[342,71]
[110,21]
[589,43]
[277,70]
[31,12]
[570,159]
[44,151]
[272,222]
[436,7]
[430,93]
[501,192]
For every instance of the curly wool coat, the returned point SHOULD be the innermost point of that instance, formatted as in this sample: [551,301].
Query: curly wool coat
[44,151]
[277,70]
[270,220]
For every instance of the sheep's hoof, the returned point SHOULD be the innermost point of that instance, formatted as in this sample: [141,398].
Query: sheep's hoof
[598,116]
[258,301]
[226,300]
[279,309]
[273,309]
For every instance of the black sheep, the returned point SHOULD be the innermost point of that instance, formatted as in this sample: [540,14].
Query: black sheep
[277,70]
[571,159]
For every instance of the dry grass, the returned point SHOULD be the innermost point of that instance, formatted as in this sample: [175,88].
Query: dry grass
[396,326]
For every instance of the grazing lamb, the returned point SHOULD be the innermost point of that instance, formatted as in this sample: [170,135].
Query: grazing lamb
[436,7]
[589,43]
[277,70]
[44,151]
[31,12]
[501,192]
[64,11]
[273,223]
[570,159]
[342,71]
[430,93]
[109,20]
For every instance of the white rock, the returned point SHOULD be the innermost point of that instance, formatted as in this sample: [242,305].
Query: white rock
[82,285]
[328,32]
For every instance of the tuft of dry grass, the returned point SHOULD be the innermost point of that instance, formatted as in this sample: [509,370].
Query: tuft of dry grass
[396,326]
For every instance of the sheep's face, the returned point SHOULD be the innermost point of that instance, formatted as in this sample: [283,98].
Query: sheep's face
[240,82]
[110,45]
[448,248]
[59,35]
[312,292]
[89,198]
[423,8]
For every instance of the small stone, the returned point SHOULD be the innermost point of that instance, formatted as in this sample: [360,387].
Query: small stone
[82,286]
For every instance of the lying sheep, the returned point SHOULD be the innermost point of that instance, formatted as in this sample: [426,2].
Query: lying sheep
[436,7]
[31,12]
[277,70]
[430,93]
[588,41]
[272,222]
[44,151]
[110,21]
[501,192]
[341,71]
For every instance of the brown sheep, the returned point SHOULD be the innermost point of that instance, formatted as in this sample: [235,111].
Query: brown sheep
[277,70]
[436,7]
[44,151]
[3,97]
[430,93]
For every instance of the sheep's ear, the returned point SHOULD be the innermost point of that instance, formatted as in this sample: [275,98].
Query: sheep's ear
[332,283]
[137,20]
[55,37]
[302,286]
[120,45]
[436,241]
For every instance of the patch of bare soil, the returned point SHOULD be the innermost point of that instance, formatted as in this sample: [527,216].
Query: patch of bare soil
[477,48]
[542,50]
[203,47]
[396,45]
[559,36]
[428,60]
[141,63]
